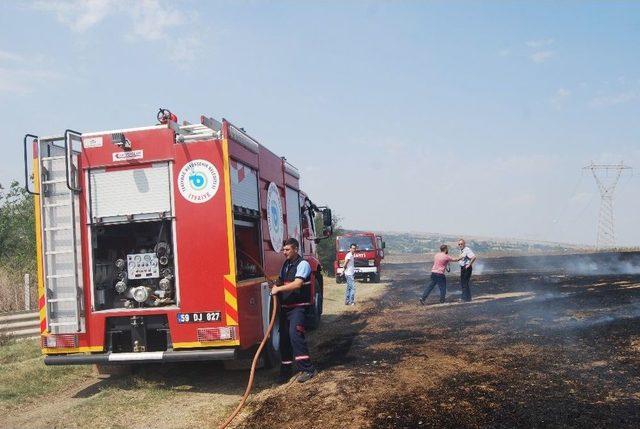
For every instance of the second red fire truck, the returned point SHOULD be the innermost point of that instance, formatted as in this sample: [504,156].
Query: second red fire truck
[368,257]
[155,244]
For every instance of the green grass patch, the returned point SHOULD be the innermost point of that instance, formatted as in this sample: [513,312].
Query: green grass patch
[24,376]
[16,351]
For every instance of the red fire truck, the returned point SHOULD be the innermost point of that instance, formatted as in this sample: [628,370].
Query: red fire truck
[368,258]
[155,243]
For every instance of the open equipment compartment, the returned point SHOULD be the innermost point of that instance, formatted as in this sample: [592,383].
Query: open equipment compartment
[133,265]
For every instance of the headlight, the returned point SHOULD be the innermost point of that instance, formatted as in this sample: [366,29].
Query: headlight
[372,262]
[140,294]
[121,287]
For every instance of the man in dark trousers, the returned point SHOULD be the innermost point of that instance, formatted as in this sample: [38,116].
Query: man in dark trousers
[467,258]
[294,295]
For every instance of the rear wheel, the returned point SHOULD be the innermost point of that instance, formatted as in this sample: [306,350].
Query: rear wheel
[271,352]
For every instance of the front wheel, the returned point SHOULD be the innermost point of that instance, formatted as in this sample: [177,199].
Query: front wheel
[339,279]
[376,278]
[315,311]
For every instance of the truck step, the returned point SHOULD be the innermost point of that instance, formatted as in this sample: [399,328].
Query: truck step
[58,252]
[58,228]
[51,205]
[53,158]
[62,300]
[60,276]
[63,324]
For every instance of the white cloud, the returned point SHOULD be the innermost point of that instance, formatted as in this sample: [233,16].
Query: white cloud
[542,50]
[504,52]
[24,81]
[10,56]
[560,98]
[537,44]
[611,100]
[541,56]
[78,15]
[152,19]
[185,51]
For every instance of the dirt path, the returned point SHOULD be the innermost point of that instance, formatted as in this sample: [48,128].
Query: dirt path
[531,350]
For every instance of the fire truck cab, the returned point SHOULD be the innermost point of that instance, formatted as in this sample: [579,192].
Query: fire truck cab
[368,257]
[157,243]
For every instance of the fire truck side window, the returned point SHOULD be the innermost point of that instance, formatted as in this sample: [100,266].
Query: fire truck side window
[248,255]
[246,220]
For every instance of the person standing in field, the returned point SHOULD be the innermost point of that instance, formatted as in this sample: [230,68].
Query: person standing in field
[440,262]
[467,258]
[349,271]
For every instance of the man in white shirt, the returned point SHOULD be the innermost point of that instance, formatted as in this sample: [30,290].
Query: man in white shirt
[349,271]
[466,267]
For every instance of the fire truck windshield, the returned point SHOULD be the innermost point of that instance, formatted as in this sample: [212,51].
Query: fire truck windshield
[362,241]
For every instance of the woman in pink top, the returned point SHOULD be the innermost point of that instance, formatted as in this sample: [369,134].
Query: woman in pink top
[440,262]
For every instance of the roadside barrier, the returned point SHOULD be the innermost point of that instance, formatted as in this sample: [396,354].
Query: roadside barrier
[20,325]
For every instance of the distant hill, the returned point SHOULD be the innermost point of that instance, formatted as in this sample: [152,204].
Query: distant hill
[402,243]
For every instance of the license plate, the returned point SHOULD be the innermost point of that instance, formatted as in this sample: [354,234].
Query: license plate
[204,316]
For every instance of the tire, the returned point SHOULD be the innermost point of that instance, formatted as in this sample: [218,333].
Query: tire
[376,278]
[271,353]
[315,312]
[339,279]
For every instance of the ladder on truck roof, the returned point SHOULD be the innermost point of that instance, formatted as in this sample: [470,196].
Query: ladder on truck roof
[60,231]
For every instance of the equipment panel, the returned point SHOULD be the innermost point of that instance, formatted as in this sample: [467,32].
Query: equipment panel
[143,266]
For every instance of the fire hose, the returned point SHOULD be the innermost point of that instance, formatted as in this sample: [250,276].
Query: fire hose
[274,312]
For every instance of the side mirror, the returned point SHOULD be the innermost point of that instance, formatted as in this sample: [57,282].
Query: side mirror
[327,219]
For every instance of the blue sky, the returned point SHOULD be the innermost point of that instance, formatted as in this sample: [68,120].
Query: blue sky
[457,117]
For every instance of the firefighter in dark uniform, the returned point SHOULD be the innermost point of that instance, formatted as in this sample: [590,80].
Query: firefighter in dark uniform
[294,295]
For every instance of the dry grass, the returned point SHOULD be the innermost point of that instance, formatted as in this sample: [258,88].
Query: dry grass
[170,396]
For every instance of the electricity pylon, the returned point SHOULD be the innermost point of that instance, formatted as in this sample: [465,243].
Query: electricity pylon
[607,177]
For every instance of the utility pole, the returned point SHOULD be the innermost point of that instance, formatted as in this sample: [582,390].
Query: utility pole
[607,177]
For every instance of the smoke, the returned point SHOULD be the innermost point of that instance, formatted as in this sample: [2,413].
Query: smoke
[612,265]
[478,268]
[592,264]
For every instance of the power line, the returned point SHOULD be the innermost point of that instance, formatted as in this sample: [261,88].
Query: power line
[607,177]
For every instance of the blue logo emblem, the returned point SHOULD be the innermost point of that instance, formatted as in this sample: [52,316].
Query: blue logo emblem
[197,180]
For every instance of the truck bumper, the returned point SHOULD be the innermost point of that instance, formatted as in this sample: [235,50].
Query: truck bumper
[141,357]
[360,270]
